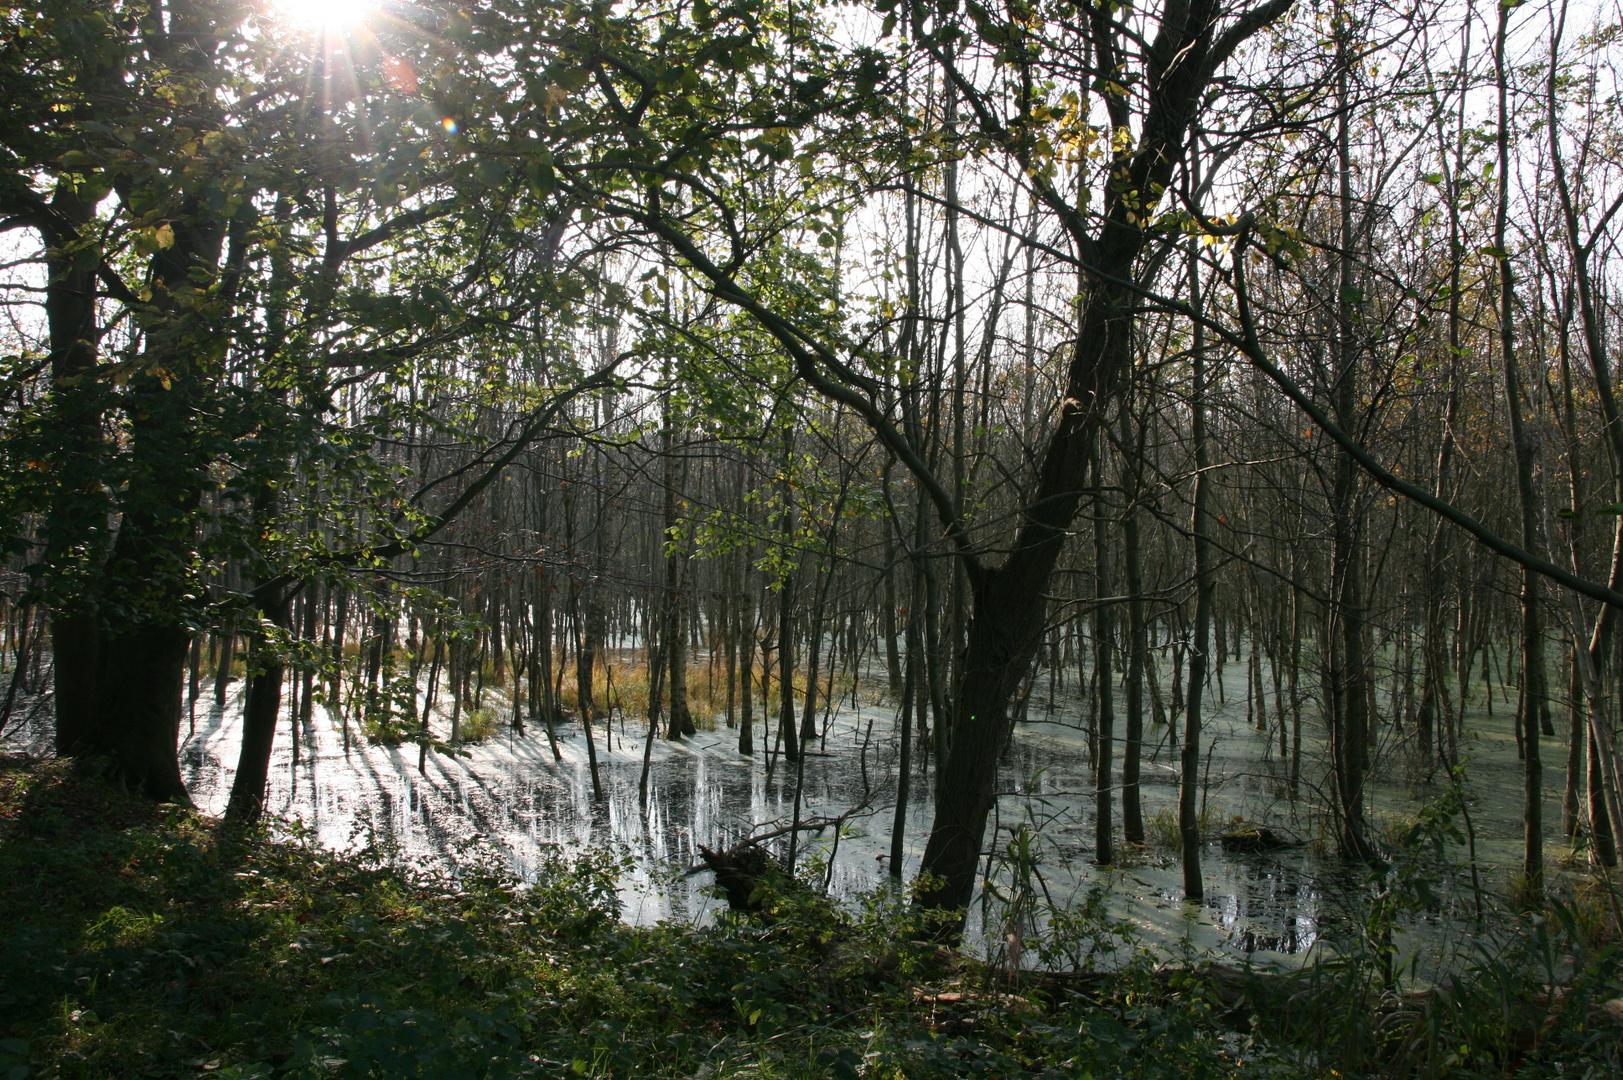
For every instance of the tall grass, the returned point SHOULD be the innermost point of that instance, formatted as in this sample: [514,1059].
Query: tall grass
[620,688]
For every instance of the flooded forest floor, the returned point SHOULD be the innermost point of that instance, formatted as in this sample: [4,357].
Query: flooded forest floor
[509,795]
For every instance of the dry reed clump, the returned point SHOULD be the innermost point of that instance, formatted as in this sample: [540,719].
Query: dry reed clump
[1391,831]
[1161,829]
[478,724]
[620,687]
[1596,904]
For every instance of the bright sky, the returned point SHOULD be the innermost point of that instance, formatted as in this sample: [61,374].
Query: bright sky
[335,15]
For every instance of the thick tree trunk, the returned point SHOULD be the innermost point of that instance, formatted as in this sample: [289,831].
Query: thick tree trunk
[1600,819]
[1599,650]
[142,672]
[680,720]
[1010,611]
[125,690]
[312,610]
[1571,800]
[728,643]
[1348,671]
[78,511]
[76,645]
[127,711]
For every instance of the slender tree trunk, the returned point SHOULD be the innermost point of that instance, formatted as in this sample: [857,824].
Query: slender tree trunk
[729,644]
[679,722]
[746,649]
[588,621]
[223,666]
[1104,628]
[786,618]
[904,763]
[822,577]
[1189,765]
[1348,672]
[887,620]
[1132,815]
[261,708]
[1525,439]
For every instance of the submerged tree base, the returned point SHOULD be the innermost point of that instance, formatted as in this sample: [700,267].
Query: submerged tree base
[149,941]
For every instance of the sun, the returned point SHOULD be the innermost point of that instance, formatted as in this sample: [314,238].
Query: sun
[329,15]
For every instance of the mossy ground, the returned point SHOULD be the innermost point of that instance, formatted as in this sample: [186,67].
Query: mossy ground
[146,941]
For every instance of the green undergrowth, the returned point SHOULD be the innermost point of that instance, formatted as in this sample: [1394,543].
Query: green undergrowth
[137,941]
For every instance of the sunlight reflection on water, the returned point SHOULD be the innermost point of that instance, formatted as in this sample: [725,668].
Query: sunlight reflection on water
[511,795]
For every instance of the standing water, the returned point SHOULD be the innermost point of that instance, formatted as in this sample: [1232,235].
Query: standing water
[509,792]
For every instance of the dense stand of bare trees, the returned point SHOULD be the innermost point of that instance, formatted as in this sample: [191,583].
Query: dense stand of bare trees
[1012,408]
